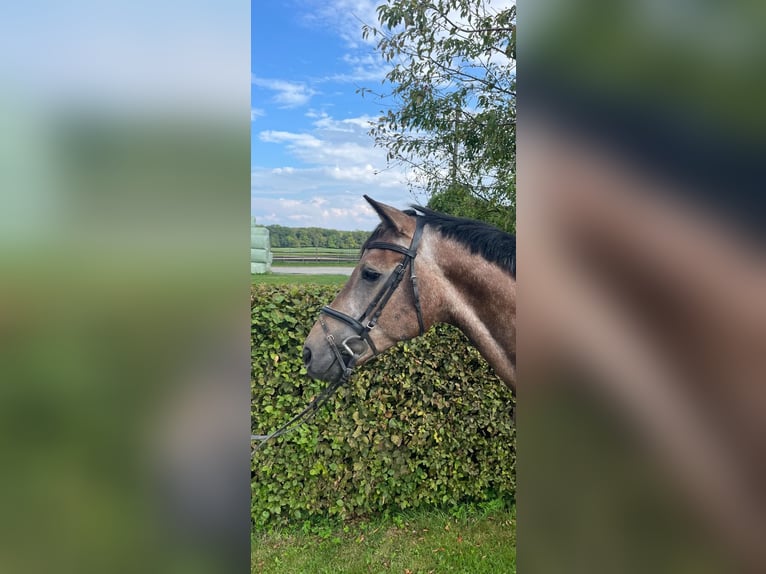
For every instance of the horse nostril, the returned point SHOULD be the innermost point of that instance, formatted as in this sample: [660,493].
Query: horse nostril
[306,356]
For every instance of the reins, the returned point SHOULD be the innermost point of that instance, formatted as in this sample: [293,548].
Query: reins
[311,409]
[362,330]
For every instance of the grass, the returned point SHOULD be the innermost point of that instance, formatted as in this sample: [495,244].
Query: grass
[480,539]
[296,279]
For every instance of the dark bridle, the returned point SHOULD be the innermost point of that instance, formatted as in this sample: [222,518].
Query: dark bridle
[369,318]
[361,327]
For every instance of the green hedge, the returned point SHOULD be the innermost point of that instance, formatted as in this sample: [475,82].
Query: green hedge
[426,424]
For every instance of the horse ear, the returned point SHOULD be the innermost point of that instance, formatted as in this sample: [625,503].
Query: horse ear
[390,215]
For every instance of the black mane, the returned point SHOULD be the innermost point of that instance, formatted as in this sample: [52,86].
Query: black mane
[491,243]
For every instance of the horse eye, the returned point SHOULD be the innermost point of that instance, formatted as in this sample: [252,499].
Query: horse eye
[370,275]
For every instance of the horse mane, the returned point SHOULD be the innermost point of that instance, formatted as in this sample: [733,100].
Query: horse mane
[489,242]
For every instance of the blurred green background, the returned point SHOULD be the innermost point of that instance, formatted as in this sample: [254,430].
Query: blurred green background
[124,237]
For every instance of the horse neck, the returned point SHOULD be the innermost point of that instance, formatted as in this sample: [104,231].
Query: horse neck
[479,298]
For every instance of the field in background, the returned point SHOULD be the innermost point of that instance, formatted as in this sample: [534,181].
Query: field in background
[314,255]
[313,263]
[293,279]
[467,540]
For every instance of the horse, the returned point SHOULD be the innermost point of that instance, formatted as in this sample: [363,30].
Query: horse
[461,272]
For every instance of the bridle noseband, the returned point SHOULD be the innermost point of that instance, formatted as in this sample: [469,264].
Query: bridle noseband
[367,321]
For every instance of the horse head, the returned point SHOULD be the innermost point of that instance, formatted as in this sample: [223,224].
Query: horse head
[380,304]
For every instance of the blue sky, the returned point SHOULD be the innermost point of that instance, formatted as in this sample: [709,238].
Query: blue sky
[311,157]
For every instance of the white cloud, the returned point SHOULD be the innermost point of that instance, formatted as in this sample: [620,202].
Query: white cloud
[362,68]
[324,196]
[346,17]
[338,150]
[334,163]
[335,212]
[367,175]
[350,125]
[332,143]
[288,94]
[256,113]
[365,60]
[296,141]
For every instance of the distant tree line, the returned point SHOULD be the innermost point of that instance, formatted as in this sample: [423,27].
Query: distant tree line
[316,237]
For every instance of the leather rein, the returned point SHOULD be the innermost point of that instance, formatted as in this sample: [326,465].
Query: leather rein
[362,327]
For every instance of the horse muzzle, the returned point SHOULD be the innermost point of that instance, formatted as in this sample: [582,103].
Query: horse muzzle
[328,363]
